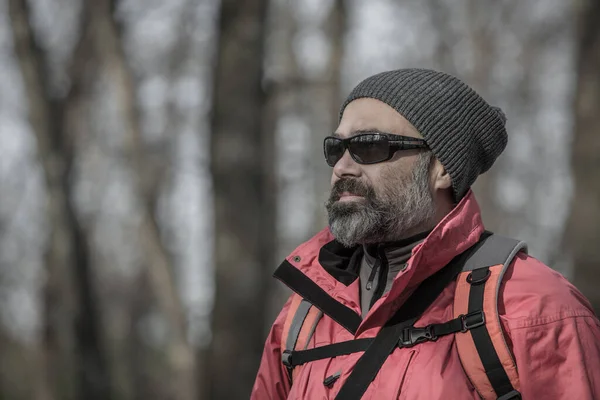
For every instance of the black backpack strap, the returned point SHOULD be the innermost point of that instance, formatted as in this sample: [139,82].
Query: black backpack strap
[492,258]
[299,357]
[388,338]
[409,337]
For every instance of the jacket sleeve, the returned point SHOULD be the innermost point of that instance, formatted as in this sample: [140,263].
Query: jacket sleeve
[559,357]
[272,382]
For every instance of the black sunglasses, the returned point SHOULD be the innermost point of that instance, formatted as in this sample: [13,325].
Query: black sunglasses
[368,148]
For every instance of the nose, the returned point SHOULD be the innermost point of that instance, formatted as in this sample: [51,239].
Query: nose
[346,167]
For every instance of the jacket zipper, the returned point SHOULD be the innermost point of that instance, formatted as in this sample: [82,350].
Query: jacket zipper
[383,272]
[369,285]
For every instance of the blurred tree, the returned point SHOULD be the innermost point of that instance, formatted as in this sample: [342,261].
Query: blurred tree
[583,228]
[76,359]
[180,356]
[243,181]
[481,38]
[72,342]
[304,61]
[325,111]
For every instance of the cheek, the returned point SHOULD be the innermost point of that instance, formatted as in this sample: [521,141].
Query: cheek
[384,188]
[390,180]
[379,181]
[387,174]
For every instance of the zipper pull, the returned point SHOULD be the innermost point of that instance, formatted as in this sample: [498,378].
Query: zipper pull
[329,381]
[369,285]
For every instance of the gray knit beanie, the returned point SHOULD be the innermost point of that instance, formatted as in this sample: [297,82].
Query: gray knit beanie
[462,130]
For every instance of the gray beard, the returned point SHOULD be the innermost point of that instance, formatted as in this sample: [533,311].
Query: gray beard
[402,209]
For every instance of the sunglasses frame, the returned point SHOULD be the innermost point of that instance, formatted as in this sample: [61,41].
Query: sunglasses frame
[396,143]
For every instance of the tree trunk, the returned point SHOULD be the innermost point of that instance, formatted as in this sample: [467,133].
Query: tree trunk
[72,339]
[323,105]
[243,182]
[180,355]
[482,42]
[583,227]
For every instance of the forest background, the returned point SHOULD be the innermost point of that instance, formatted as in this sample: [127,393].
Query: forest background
[158,159]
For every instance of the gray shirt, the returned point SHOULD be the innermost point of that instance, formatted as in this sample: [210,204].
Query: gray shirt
[395,256]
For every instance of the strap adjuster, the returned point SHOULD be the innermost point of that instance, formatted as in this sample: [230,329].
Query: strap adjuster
[512,395]
[472,320]
[286,358]
[412,336]
[480,279]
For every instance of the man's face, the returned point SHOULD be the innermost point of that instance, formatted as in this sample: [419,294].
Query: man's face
[380,202]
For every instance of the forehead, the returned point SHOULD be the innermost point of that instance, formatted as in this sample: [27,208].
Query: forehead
[370,114]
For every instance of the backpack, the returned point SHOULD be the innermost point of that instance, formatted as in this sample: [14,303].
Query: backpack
[482,348]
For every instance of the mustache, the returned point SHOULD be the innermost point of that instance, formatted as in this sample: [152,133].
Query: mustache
[353,186]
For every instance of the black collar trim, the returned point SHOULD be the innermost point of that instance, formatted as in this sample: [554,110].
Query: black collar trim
[314,294]
[341,262]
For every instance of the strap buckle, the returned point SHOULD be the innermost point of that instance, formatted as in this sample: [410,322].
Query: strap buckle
[472,320]
[286,359]
[412,336]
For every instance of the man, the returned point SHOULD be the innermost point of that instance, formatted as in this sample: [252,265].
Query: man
[409,145]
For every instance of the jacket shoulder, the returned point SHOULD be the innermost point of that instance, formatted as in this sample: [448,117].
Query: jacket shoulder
[532,293]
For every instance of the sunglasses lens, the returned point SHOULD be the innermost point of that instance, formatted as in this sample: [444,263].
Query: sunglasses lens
[368,149]
[334,150]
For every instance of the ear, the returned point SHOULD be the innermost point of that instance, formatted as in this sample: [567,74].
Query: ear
[440,178]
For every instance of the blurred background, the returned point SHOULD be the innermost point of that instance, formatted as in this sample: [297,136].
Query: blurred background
[158,159]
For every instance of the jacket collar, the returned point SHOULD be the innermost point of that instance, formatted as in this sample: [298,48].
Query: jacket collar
[334,268]
[456,232]
[395,253]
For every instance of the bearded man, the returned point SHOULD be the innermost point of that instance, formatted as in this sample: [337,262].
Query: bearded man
[405,295]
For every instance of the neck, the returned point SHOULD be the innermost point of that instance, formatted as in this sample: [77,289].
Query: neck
[403,242]
[444,203]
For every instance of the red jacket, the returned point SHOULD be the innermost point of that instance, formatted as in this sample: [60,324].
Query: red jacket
[549,326]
